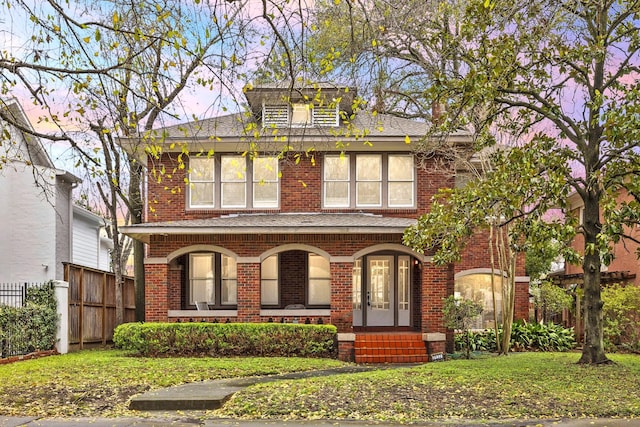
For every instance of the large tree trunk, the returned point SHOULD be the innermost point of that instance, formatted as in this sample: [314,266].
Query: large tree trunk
[593,347]
[137,214]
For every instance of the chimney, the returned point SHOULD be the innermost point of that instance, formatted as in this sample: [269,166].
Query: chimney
[437,111]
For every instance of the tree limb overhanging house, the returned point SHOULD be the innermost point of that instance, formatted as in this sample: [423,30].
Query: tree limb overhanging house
[295,212]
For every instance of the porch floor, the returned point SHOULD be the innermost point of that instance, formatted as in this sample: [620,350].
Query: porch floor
[390,347]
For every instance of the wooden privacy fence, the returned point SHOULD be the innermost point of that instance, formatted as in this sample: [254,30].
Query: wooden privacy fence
[92,305]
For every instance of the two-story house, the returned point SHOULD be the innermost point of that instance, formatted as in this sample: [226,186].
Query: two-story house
[295,212]
[41,227]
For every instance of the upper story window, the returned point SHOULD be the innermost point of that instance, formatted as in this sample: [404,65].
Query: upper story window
[299,115]
[369,180]
[233,182]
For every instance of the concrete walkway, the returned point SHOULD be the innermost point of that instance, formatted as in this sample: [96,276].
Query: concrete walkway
[203,395]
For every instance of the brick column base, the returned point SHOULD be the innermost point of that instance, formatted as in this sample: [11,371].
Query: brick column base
[346,347]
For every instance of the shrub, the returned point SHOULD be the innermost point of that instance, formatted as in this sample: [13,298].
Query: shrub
[226,339]
[478,341]
[32,327]
[536,336]
[621,315]
[458,314]
[524,337]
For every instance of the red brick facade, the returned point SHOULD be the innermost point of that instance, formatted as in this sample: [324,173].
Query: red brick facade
[301,191]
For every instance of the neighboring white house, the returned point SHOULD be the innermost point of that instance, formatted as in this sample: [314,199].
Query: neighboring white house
[91,246]
[36,208]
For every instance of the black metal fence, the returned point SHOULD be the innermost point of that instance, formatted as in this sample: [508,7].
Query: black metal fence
[14,294]
[12,341]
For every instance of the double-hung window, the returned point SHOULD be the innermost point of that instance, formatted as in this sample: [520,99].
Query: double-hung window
[369,181]
[400,180]
[269,289]
[212,279]
[265,182]
[202,179]
[233,182]
[336,181]
[319,290]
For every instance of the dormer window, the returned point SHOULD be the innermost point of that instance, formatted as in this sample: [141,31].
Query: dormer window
[299,115]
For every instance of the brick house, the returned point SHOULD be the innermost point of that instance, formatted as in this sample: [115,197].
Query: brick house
[623,269]
[238,231]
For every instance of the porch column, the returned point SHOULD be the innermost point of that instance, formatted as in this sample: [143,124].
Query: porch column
[522,299]
[156,292]
[342,307]
[341,296]
[248,292]
[437,284]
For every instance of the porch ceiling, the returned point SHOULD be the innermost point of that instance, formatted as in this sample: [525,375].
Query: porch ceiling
[282,223]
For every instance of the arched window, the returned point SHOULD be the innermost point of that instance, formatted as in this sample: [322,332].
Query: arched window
[477,287]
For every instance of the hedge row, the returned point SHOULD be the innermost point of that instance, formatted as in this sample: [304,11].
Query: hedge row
[226,339]
[32,327]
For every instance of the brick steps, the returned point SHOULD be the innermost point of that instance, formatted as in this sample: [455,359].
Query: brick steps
[390,348]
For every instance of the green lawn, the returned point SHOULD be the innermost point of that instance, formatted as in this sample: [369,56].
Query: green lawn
[100,382]
[522,385]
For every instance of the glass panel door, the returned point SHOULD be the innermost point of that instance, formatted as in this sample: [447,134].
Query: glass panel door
[404,291]
[380,295]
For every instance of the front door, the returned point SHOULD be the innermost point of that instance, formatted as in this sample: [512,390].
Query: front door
[381,291]
[380,295]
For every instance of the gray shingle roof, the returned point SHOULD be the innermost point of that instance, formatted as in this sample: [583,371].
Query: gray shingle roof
[235,126]
[296,223]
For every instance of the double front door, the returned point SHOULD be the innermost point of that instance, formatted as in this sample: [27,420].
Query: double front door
[382,290]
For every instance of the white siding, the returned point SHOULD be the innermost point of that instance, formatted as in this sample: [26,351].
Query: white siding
[86,242]
[27,224]
[104,256]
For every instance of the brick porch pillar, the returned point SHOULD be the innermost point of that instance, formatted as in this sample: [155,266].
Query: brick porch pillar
[437,284]
[342,308]
[156,292]
[248,292]
[522,299]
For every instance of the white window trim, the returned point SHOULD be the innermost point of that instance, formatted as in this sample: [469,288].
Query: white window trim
[244,181]
[218,278]
[379,181]
[197,181]
[325,181]
[353,196]
[248,187]
[257,183]
[412,181]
